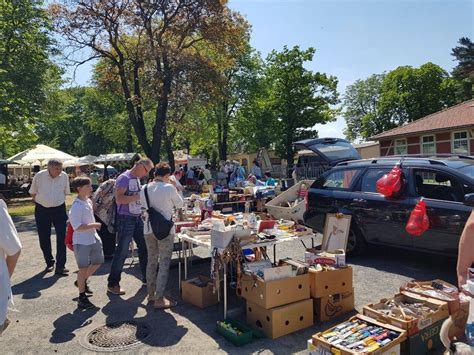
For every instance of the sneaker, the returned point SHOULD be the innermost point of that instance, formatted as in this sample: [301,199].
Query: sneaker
[84,303]
[88,290]
[62,272]
[116,290]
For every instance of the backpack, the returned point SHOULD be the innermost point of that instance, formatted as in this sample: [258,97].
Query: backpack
[105,207]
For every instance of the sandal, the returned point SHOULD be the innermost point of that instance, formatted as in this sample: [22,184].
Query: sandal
[165,304]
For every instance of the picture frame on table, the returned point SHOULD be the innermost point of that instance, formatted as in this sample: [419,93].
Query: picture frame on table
[336,231]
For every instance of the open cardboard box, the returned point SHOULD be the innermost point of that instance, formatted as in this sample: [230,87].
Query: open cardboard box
[201,297]
[393,348]
[330,282]
[411,324]
[270,294]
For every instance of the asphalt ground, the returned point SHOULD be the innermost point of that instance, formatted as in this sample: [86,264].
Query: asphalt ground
[48,321]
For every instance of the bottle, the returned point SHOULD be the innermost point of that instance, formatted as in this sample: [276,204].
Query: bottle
[470,324]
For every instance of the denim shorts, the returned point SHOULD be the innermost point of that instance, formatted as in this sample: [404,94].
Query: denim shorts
[88,254]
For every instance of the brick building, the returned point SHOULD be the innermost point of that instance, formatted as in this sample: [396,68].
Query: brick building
[450,131]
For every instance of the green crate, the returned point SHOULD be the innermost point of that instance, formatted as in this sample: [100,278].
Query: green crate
[238,340]
[426,341]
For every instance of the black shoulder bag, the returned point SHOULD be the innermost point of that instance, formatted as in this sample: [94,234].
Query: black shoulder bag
[160,226]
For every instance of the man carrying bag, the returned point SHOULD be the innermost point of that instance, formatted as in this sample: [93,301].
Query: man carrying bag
[159,199]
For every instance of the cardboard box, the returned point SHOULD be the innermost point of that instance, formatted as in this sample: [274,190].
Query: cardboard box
[425,341]
[323,347]
[335,258]
[282,320]
[201,297]
[414,325]
[330,282]
[329,307]
[270,294]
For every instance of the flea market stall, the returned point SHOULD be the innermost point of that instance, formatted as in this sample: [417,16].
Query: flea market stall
[285,295]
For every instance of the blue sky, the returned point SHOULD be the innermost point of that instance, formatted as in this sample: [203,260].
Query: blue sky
[355,38]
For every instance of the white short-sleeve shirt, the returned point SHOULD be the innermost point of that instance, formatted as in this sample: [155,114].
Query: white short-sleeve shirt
[50,192]
[9,245]
[81,212]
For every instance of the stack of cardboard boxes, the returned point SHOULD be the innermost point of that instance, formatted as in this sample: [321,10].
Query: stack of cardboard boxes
[332,292]
[278,307]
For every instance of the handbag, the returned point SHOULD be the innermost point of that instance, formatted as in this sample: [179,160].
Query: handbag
[160,226]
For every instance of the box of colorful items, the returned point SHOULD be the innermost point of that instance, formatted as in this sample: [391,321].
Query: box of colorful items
[408,311]
[236,332]
[360,334]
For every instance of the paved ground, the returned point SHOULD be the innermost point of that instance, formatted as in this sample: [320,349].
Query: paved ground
[47,320]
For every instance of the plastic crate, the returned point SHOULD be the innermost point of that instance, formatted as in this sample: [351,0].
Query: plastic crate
[238,340]
[294,213]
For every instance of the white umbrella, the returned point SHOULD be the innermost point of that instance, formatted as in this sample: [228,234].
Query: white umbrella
[39,155]
[86,160]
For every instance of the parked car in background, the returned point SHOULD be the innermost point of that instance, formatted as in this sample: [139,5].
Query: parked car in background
[315,156]
[446,183]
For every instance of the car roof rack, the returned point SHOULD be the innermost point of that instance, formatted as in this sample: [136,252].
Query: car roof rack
[397,159]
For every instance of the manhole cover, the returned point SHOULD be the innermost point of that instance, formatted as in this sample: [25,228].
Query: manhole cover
[117,336]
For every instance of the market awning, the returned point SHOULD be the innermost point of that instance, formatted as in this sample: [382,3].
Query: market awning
[85,160]
[116,158]
[39,155]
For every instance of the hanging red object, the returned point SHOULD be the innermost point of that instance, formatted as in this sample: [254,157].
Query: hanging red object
[68,239]
[418,223]
[391,183]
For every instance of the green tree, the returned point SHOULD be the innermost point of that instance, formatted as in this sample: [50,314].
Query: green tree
[411,93]
[26,70]
[361,107]
[298,98]
[151,41]
[464,71]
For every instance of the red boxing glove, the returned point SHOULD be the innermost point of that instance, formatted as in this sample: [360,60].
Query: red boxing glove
[418,223]
[391,183]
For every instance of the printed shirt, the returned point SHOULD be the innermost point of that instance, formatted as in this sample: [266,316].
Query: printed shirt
[50,192]
[163,198]
[132,185]
[9,245]
[82,213]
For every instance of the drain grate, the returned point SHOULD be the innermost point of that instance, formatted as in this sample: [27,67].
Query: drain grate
[117,336]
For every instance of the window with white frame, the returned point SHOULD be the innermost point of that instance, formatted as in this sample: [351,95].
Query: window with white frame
[428,145]
[401,146]
[460,143]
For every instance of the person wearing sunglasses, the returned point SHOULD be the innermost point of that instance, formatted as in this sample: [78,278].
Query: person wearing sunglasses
[129,223]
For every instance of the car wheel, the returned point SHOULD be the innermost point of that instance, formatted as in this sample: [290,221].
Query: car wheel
[356,244]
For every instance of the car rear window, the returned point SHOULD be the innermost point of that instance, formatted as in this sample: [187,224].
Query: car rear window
[339,179]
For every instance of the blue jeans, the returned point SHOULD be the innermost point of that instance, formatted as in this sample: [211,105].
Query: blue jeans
[128,227]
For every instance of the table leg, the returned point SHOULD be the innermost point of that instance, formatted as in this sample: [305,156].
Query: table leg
[179,272]
[225,291]
[274,254]
[185,252]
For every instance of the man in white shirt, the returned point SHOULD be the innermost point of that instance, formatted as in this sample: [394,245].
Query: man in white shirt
[163,197]
[49,189]
[10,248]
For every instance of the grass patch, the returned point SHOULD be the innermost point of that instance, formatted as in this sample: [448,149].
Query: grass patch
[25,206]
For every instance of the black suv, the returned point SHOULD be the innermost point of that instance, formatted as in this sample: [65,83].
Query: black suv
[447,185]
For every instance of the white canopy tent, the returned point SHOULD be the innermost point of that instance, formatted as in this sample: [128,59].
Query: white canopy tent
[39,155]
[86,160]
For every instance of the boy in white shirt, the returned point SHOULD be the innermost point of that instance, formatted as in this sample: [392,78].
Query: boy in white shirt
[86,241]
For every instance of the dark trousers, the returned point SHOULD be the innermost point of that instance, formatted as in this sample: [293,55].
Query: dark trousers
[45,218]
[128,227]
[108,239]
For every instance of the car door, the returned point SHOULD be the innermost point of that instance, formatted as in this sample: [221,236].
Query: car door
[381,220]
[443,193]
[330,193]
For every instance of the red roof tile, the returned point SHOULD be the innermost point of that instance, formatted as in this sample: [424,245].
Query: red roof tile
[457,116]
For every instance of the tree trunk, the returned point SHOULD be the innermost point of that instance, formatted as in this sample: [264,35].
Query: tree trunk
[167,145]
[139,127]
[219,136]
[289,151]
